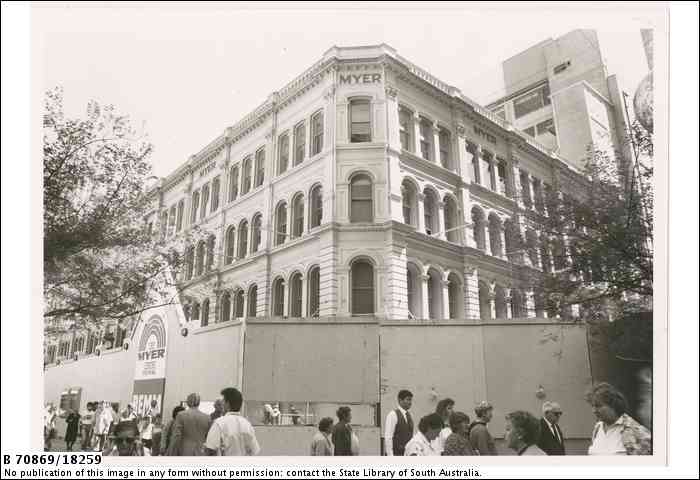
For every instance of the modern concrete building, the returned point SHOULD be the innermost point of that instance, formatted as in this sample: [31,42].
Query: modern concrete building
[373,223]
[559,93]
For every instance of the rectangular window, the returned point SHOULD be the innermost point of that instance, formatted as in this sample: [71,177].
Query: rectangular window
[426,139]
[180,211]
[546,127]
[361,208]
[259,167]
[215,194]
[247,174]
[525,189]
[233,184]
[317,133]
[171,220]
[531,101]
[406,129]
[284,154]
[501,172]
[299,143]
[360,121]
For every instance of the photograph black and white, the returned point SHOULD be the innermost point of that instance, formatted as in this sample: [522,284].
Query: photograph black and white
[344,230]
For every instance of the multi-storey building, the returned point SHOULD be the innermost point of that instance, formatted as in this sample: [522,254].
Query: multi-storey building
[559,93]
[367,188]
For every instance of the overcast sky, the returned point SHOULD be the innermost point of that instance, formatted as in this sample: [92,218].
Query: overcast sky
[186,72]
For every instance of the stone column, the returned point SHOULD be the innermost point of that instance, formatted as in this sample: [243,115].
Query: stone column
[245,303]
[509,302]
[492,299]
[420,221]
[416,134]
[445,299]
[514,170]
[493,165]
[460,160]
[531,191]
[441,220]
[530,303]
[478,154]
[424,295]
[487,236]
[436,144]
[285,308]
[392,116]
[502,236]
[471,293]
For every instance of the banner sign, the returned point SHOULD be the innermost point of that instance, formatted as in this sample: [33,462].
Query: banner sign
[149,376]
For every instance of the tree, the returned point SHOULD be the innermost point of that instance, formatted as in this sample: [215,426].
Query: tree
[100,261]
[602,231]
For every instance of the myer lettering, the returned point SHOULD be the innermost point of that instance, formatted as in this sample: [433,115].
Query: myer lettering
[362,78]
[152,354]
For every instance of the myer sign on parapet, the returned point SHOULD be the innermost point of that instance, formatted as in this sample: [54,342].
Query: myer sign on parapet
[362,78]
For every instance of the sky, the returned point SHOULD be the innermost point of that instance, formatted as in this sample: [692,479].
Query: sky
[185,72]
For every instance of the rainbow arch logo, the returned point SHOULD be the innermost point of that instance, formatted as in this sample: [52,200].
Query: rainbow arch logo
[154,328]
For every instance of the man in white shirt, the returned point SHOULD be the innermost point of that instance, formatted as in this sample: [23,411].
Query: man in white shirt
[399,426]
[421,444]
[232,434]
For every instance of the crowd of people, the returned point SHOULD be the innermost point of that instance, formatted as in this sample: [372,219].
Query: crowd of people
[447,432]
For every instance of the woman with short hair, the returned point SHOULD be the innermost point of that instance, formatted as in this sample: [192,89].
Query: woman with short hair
[421,444]
[616,433]
[457,444]
[522,433]
[321,445]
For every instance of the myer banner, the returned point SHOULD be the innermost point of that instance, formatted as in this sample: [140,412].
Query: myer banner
[149,377]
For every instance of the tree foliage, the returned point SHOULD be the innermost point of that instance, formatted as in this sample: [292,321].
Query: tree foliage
[100,262]
[602,231]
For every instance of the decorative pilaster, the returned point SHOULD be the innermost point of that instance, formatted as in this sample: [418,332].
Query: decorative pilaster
[424,295]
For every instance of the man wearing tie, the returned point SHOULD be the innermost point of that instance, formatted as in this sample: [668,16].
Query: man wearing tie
[399,426]
[551,438]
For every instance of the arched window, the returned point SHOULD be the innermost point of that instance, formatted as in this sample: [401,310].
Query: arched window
[257,233]
[195,312]
[445,149]
[451,221]
[295,295]
[253,301]
[171,220]
[201,251]
[513,240]
[314,291]
[299,143]
[210,252]
[495,228]
[189,262]
[259,167]
[205,201]
[414,291]
[226,307]
[484,302]
[501,306]
[478,224]
[298,216]
[361,209]
[409,201]
[362,282]
[430,212]
[230,245]
[278,298]
[205,313]
[243,239]
[518,304]
[317,133]
[247,176]
[233,184]
[283,158]
[180,212]
[215,191]
[281,223]
[360,123]
[316,212]
[532,253]
[456,296]
[434,295]
[239,301]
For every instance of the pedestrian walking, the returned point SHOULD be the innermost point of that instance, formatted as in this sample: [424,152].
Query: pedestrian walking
[321,444]
[72,426]
[421,445]
[444,408]
[232,434]
[522,433]
[167,431]
[399,425]
[458,444]
[342,435]
[616,433]
[479,435]
[189,430]
[87,421]
[551,437]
